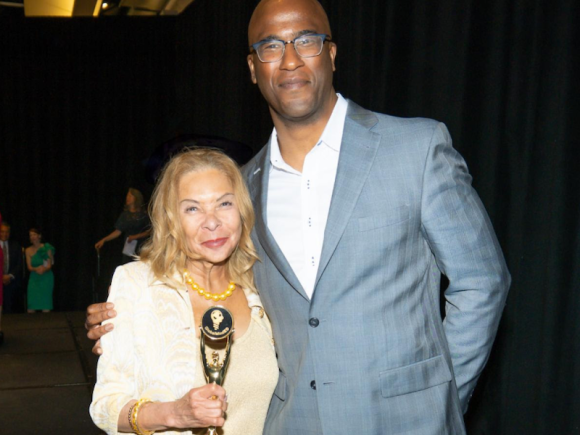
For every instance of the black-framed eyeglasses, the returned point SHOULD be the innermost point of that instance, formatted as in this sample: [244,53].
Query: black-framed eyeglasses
[272,50]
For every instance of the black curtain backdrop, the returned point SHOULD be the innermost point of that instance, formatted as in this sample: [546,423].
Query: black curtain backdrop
[84,102]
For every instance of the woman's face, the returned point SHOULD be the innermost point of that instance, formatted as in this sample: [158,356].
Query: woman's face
[130,200]
[209,215]
[34,237]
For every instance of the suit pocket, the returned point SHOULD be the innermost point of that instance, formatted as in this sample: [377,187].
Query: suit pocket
[390,217]
[414,377]
[280,390]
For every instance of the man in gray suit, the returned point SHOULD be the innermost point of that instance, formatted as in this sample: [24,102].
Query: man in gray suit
[357,216]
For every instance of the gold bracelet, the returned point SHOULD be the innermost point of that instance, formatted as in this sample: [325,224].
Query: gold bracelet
[131,413]
[135,415]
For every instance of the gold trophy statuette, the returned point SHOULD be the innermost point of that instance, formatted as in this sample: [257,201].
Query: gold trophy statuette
[217,323]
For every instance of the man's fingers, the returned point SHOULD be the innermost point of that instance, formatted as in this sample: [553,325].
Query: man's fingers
[97,318]
[97,350]
[93,318]
[97,332]
[103,306]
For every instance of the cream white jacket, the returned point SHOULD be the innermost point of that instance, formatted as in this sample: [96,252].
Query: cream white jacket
[153,351]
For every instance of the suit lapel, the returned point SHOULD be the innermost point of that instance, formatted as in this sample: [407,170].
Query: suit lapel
[258,179]
[357,152]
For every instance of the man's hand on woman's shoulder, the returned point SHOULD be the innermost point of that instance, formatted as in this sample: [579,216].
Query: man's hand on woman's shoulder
[97,314]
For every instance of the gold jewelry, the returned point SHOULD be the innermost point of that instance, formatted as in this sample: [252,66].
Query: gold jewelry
[135,415]
[213,296]
[131,413]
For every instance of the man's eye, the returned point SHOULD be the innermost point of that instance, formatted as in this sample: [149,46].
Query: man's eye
[305,42]
[270,46]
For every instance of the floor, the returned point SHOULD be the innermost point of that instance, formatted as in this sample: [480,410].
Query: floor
[47,373]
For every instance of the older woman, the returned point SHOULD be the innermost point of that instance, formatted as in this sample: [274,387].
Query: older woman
[200,255]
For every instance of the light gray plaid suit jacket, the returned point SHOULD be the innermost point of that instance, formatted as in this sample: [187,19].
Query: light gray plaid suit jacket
[369,353]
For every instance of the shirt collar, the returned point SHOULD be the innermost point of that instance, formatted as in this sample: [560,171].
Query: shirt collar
[331,136]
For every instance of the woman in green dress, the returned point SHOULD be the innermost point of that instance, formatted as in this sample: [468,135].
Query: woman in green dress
[39,259]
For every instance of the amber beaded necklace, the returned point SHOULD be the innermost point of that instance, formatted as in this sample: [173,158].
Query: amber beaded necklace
[213,296]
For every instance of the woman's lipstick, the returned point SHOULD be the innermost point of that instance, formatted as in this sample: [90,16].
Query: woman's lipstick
[215,243]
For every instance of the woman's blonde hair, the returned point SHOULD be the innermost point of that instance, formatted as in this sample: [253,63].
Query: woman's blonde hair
[167,250]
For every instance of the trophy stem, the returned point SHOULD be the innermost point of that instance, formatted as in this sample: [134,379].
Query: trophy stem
[215,370]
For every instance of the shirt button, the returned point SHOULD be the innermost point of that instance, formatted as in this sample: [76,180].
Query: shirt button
[313,385]
[314,322]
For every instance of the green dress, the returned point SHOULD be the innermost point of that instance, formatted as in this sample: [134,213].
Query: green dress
[40,287]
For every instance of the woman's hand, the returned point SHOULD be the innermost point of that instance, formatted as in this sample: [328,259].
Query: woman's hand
[99,245]
[198,409]
[40,270]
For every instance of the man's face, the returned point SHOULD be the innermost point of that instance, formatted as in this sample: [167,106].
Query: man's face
[4,233]
[296,89]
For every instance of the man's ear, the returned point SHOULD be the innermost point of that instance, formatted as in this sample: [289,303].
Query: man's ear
[250,59]
[332,51]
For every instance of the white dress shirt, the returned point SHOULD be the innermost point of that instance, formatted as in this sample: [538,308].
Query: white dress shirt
[298,203]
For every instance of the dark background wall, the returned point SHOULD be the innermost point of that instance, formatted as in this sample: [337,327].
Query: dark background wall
[84,102]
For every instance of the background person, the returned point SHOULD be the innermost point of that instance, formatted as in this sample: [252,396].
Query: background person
[202,218]
[12,277]
[134,223]
[40,260]
[1,290]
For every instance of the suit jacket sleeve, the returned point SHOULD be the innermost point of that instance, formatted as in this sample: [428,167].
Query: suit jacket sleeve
[461,237]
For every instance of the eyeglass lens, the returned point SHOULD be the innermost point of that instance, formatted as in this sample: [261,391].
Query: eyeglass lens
[305,46]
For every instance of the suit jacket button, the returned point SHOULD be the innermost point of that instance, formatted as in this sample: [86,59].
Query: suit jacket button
[314,322]
[313,385]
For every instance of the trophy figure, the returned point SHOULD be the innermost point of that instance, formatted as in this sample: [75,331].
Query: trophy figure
[217,323]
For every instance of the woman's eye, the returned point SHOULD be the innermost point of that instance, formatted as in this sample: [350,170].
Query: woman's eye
[192,208]
[226,203]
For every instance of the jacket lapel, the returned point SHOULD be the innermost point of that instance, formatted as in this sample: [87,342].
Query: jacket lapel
[357,152]
[258,179]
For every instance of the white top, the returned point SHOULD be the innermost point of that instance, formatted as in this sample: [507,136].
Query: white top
[298,203]
[154,352]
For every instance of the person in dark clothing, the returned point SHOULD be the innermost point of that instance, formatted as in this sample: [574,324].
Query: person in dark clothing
[12,276]
[134,223]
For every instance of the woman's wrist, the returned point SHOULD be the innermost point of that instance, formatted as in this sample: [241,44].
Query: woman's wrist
[155,416]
